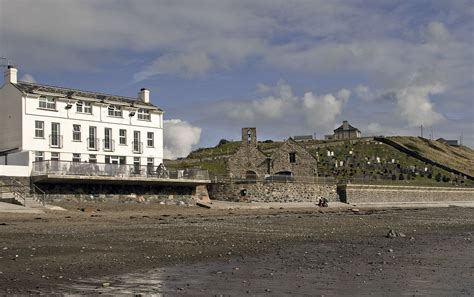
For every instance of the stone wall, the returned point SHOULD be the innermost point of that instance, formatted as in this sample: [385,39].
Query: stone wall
[305,164]
[120,193]
[247,158]
[377,193]
[272,192]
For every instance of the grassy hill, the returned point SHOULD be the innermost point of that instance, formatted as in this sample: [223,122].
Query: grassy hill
[359,160]
[460,158]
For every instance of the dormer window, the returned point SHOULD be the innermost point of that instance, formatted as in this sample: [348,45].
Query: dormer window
[84,107]
[47,102]
[143,114]
[115,111]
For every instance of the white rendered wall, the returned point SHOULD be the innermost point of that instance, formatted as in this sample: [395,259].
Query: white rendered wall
[14,170]
[10,117]
[100,119]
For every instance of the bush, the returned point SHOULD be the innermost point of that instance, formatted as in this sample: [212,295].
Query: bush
[401,177]
[438,177]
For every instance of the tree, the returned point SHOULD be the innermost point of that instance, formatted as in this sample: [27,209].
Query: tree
[438,177]
[222,142]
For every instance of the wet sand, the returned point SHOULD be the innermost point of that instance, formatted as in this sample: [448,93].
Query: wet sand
[190,251]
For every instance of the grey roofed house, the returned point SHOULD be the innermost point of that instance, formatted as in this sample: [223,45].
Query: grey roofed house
[27,87]
[346,131]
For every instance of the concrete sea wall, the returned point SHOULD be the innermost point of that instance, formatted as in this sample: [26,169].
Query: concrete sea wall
[378,193]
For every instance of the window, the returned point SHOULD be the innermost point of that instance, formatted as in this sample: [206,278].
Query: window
[115,111]
[150,142]
[84,107]
[55,161]
[143,114]
[39,156]
[149,165]
[92,158]
[76,132]
[39,129]
[292,157]
[92,141]
[123,137]
[55,139]
[47,103]
[108,143]
[136,165]
[137,145]
[76,157]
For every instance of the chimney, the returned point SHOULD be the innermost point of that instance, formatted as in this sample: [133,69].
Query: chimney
[10,75]
[345,125]
[144,95]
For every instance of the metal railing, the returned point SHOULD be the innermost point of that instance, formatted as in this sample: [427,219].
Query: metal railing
[137,147]
[55,141]
[108,145]
[19,191]
[68,168]
[93,144]
[274,179]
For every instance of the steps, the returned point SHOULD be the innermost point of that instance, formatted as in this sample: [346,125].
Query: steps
[14,192]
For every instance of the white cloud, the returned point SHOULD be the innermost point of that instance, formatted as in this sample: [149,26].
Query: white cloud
[415,106]
[28,78]
[311,111]
[179,138]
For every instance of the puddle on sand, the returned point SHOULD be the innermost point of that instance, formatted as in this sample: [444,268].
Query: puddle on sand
[302,271]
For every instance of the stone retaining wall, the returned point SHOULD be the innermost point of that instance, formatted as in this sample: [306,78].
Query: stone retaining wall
[272,192]
[378,193]
[120,193]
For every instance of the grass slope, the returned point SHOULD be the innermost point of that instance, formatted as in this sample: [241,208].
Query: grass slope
[460,158]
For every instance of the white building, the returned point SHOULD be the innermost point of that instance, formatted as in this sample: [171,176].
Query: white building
[42,123]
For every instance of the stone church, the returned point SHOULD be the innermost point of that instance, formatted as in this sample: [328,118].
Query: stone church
[290,159]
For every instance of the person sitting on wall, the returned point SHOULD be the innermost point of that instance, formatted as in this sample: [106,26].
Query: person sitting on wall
[323,202]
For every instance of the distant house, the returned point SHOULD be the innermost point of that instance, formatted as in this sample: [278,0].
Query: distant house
[346,131]
[290,159]
[448,142]
[303,138]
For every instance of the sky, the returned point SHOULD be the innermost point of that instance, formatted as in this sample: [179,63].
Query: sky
[286,67]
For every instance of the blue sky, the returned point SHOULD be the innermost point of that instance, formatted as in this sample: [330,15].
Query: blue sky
[286,67]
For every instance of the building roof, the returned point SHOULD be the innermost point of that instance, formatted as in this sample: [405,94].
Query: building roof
[349,128]
[27,87]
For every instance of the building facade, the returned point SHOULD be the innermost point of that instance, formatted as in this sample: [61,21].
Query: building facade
[346,131]
[289,159]
[40,123]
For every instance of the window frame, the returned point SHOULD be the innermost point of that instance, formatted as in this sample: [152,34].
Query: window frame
[143,114]
[152,139]
[49,103]
[39,129]
[123,137]
[76,132]
[115,111]
[292,157]
[84,107]
[75,157]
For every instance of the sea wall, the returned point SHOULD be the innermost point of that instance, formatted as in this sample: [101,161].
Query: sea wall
[380,193]
[272,191]
[180,195]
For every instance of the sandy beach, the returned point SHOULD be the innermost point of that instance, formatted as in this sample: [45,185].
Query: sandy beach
[192,251]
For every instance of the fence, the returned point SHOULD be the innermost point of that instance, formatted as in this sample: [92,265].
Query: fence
[114,170]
